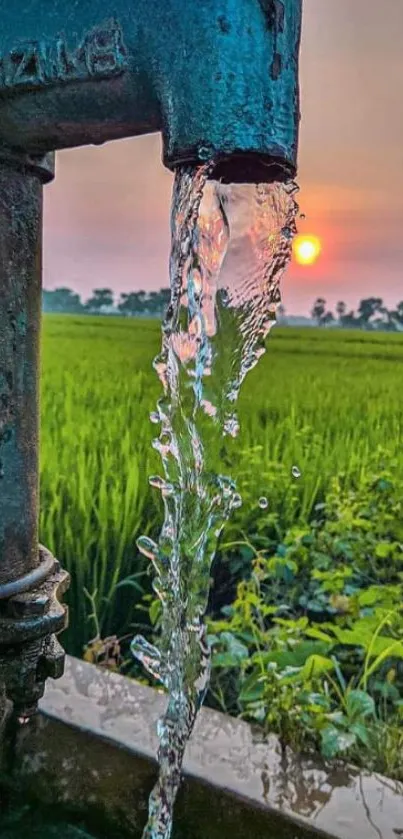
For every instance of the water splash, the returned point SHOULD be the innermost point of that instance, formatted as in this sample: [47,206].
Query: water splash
[230,246]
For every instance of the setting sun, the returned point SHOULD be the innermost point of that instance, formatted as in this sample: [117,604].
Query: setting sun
[306,249]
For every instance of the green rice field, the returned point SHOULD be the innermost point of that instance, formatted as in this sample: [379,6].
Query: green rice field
[327,401]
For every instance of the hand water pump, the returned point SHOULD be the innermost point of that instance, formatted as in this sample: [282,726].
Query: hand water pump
[219,80]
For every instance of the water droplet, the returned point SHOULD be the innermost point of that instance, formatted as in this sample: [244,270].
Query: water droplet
[154,417]
[156,481]
[263,503]
[147,547]
[159,590]
[168,531]
[237,501]
[231,427]
[205,152]
[227,491]
[302,215]
[208,408]
[287,232]
[296,472]
[163,444]
[159,483]
[148,655]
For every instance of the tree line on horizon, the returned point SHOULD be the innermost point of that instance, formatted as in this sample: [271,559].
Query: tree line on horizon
[132,304]
[371,312]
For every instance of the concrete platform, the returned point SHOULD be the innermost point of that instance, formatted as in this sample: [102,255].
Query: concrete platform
[92,752]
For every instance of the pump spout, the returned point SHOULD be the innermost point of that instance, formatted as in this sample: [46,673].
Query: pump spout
[217,78]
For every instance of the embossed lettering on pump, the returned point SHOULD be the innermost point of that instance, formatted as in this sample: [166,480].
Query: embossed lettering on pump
[101,54]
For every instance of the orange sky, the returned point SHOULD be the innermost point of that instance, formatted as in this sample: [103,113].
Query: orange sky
[107,213]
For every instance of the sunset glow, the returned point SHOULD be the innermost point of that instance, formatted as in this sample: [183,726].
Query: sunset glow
[306,249]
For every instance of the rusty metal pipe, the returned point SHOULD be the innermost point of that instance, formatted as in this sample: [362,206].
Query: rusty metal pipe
[217,78]
[20,317]
[30,578]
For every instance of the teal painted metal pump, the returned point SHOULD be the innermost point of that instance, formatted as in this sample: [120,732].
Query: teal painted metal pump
[219,80]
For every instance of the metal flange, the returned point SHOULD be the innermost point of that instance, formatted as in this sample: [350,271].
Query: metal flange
[29,650]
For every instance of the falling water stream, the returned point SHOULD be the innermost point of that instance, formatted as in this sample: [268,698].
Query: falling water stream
[230,246]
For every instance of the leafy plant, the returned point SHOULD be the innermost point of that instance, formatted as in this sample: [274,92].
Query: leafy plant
[324,557]
[320,628]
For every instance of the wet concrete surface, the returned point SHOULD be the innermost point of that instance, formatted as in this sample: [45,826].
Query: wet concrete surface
[92,750]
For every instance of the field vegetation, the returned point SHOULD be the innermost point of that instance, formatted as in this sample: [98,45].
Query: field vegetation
[305,612]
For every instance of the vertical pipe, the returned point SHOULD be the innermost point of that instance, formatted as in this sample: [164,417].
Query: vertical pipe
[21,203]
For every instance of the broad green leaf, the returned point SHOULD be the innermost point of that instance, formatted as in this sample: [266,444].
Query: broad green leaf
[234,646]
[362,635]
[284,658]
[252,688]
[370,596]
[282,568]
[315,666]
[361,733]
[301,623]
[213,640]
[224,660]
[318,699]
[314,632]
[314,701]
[292,658]
[335,742]
[360,704]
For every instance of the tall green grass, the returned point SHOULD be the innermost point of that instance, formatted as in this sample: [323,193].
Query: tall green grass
[322,400]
